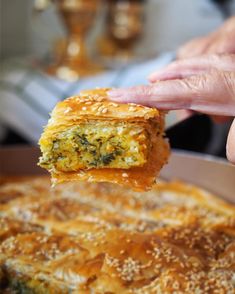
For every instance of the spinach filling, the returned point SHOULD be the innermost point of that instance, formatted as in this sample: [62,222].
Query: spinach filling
[22,287]
[92,147]
[106,159]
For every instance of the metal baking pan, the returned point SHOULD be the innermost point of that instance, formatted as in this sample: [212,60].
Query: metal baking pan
[211,173]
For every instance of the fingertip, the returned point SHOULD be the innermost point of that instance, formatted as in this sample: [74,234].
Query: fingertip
[152,78]
[118,95]
[114,93]
[230,148]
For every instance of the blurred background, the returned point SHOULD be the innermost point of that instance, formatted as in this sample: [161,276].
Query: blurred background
[50,50]
[167,25]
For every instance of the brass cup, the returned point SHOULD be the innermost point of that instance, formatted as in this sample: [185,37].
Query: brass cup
[124,27]
[72,61]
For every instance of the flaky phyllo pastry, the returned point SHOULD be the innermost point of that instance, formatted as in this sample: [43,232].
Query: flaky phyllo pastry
[91,138]
[83,238]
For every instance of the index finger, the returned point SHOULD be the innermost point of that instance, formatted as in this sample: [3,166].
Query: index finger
[212,93]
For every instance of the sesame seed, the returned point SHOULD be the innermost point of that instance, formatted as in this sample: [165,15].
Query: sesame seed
[104,110]
[124,175]
[114,104]
[132,108]
[68,109]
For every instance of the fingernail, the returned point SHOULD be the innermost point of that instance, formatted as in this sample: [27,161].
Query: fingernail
[114,93]
[154,78]
[151,77]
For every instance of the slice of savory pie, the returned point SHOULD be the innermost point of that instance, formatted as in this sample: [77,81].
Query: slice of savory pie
[91,138]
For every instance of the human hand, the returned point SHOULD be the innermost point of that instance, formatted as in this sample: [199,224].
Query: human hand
[195,66]
[205,84]
[220,41]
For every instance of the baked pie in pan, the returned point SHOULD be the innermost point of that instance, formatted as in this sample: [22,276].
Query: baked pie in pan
[101,238]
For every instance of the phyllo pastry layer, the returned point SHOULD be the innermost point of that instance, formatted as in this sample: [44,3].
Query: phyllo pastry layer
[102,238]
[91,138]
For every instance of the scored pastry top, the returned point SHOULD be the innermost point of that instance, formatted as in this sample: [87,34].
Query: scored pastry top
[102,238]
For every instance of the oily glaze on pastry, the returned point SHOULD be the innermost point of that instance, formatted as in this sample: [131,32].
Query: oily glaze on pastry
[91,138]
[102,238]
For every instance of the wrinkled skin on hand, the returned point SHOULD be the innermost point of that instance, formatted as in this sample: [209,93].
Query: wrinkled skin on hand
[205,84]
[220,41]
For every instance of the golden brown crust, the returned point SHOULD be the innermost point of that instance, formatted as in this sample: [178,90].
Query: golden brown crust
[85,237]
[93,104]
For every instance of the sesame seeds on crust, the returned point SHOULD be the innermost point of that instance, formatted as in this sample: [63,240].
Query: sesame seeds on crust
[95,104]
[169,240]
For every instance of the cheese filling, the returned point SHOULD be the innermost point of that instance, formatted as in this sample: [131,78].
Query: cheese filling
[96,145]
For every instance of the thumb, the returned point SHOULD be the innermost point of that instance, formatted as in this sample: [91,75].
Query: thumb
[231,144]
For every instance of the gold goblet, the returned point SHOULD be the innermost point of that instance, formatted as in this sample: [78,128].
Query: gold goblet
[73,61]
[124,26]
